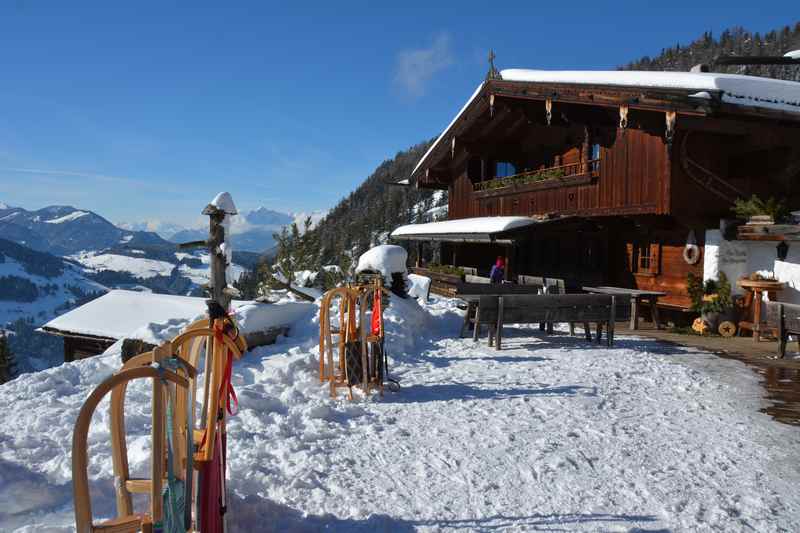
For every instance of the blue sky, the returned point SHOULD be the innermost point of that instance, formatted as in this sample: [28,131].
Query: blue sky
[144,111]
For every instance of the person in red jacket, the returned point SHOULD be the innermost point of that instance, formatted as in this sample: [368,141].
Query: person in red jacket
[497,274]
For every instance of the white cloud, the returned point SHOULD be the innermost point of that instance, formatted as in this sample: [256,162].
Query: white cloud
[415,68]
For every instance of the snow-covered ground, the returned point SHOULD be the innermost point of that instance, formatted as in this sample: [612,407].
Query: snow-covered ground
[140,267]
[44,307]
[552,433]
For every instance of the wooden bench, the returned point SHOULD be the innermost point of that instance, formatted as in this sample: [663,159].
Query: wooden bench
[785,320]
[471,293]
[526,309]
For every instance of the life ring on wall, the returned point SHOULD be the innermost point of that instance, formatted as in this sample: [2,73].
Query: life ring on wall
[691,252]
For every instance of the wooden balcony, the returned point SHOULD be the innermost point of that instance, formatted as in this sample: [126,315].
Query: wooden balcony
[534,180]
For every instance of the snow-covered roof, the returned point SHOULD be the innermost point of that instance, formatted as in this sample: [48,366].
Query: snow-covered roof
[127,314]
[481,228]
[735,89]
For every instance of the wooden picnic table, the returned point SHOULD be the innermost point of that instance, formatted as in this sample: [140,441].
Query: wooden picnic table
[471,293]
[637,296]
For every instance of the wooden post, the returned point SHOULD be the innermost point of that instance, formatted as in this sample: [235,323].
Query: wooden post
[69,350]
[419,254]
[586,150]
[612,318]
[654,311]
[634,312]
[499,333]
[477,331]
[507,269]
[782,335]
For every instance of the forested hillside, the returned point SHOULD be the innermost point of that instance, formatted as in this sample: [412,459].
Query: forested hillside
[734,41]
[374,208]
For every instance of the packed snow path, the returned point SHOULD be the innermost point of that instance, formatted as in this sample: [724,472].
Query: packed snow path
[552,434]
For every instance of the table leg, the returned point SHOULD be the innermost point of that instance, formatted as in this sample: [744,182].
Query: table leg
[757,297]
[654,311]
[477,331]
[634,313]
[465,326]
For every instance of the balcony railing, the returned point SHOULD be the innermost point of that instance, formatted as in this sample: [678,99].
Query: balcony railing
[551,174]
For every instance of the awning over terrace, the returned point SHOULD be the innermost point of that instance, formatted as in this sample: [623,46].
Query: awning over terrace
[500,230]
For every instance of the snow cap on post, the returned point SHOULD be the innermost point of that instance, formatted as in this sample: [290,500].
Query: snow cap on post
[224,202]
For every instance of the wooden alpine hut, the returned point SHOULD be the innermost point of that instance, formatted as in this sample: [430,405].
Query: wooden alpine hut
[606,177]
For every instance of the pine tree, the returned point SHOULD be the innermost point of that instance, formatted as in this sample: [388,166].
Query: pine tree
[8,365]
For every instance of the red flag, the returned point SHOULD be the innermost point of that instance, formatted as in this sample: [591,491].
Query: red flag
[377,311]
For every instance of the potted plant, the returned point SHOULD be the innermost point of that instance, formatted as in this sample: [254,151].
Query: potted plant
[712,299]
[757,211]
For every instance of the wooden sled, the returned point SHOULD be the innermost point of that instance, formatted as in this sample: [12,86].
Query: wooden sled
[198,341]
[127,521]
[352,337]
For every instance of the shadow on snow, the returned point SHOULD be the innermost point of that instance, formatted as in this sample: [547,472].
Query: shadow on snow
[256,513]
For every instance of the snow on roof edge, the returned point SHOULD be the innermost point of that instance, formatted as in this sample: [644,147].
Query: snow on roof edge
[540,75]
[736,89]
[465,226]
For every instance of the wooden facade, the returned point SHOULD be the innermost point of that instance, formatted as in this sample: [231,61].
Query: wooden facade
[635,190]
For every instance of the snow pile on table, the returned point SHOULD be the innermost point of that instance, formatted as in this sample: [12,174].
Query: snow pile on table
[418,286]
[386,259]
[552,433]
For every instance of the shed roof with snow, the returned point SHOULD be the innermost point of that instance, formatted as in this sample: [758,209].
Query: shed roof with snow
[479,229]
[122,314]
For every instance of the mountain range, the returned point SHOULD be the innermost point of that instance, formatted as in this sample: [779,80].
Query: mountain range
[250,230]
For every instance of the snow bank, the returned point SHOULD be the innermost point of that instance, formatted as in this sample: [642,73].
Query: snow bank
[552,433]
[253,317]
[387,259]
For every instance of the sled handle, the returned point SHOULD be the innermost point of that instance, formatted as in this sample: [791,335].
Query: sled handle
[80,436]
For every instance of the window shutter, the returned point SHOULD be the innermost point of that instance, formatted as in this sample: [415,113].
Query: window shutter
[655,258]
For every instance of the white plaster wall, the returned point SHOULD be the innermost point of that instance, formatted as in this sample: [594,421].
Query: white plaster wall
[730,257]
[741,258]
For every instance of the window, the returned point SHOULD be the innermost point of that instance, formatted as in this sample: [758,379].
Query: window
[595,158]
[645,258]
[503,169]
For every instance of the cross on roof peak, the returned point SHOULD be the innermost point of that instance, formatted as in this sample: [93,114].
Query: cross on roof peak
[493,73]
